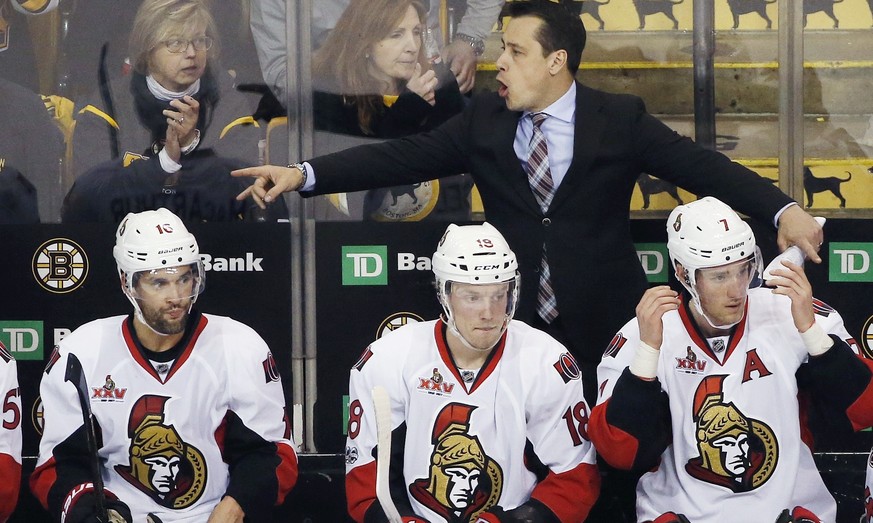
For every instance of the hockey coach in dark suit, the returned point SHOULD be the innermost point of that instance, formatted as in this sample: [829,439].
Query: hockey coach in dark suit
[555,163]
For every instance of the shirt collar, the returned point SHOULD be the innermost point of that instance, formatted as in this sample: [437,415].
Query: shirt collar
[564,108]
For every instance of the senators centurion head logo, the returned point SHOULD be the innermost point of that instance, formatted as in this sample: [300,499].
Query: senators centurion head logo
[162,465]
[60,265]
[463,480]
[736,451]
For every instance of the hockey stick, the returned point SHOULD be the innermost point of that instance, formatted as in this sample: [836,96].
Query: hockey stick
[76,376]
[382,408]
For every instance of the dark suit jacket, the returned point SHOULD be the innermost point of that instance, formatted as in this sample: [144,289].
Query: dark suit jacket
[595,272]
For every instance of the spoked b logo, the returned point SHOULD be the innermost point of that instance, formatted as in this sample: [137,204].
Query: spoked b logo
[60,265]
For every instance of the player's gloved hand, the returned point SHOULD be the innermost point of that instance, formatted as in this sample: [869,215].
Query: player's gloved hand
[85,511]
[798,515]
[670,517]
[116,517]
[521,514]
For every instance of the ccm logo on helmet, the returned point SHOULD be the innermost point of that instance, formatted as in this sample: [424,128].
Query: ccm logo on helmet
[485,267]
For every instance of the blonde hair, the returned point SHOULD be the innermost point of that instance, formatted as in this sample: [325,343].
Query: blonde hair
[159,20]
[341,64]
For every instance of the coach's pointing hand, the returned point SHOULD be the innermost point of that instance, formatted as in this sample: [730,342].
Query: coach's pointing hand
[270,182]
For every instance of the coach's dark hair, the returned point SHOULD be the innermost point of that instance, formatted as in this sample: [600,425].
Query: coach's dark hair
[560,29]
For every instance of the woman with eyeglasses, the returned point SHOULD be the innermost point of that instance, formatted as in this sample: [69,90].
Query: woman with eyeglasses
[175,82]
[167,134]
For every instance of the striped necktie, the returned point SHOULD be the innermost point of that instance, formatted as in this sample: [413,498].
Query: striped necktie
[540,179]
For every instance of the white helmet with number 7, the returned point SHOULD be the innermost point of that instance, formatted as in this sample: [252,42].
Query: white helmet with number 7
[477,255]
[149,241]
[707,233]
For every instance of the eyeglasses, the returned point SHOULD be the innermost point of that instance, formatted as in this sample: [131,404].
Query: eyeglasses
[178,45]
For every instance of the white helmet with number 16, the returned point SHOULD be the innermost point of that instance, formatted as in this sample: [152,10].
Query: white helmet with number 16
[151,241]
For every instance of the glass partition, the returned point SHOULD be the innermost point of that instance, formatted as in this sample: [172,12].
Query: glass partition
[277,86]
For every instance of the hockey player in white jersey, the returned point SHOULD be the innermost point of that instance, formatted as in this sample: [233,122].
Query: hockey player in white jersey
[707,391]
[10,435]
[189,407]
[488,418]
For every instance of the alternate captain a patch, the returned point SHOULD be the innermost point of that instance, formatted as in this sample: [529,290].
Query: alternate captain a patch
[735,451]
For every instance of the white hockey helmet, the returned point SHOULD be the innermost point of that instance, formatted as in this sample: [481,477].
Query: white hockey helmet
[477,255]
[707,233]
[153,240]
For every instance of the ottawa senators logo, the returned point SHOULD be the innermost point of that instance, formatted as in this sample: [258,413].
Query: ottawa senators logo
[463,480]
[736,452]
[162,465]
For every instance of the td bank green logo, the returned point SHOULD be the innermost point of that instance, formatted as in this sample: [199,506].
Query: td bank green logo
[850,261]
[653,257]
[365,264]
[23,339]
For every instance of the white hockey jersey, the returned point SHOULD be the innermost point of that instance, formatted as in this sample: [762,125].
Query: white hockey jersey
[10,435]
[169,436]
[459,436]
[734,451]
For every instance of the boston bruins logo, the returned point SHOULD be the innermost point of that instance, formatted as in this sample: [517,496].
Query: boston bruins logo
[463,480]
[162,465]
[60,265]
[736,451]
[397,320]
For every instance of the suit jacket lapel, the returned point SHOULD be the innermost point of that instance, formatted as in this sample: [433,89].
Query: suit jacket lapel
[509,167]
[590,123]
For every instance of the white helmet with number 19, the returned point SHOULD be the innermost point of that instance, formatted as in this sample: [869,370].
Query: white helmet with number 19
[150,241]
[477,255]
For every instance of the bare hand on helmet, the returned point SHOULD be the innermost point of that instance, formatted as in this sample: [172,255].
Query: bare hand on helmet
[791,281]
[655,302]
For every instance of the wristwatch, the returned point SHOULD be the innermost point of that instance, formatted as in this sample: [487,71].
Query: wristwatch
[477,44]
[302,169]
